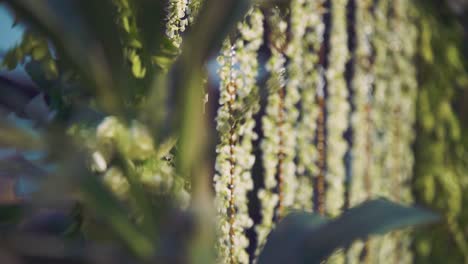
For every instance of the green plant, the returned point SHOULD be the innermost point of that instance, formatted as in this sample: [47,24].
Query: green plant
[126,127]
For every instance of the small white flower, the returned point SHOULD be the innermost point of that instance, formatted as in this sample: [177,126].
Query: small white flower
[99,163]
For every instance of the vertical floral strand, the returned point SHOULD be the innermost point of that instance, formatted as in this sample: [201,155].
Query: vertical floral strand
[295,50]
[384,98]
[321,140]
[337,109]
[235,123]
[271,196]
[225,160]
[337,113]
[193,9]
[310,13]
[361,120]
[248,44]
[177,20]
[321,146]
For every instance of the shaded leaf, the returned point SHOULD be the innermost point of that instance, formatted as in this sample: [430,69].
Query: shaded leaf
[312,240]
[94,48]
[107,206]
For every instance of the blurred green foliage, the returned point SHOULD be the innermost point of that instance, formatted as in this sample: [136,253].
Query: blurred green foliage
[112,58]
[441,145]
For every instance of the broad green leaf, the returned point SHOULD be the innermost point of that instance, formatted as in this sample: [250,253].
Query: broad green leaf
[312,240]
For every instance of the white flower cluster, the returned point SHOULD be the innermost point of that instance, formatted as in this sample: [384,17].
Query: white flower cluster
[177,20]
[362,122]
[135,144]
[276,137]
[337,109]
[380,104]
[407,34]
[337,115]
[294,52]
[235,124]
[305,14]
[193,9]
[385,246]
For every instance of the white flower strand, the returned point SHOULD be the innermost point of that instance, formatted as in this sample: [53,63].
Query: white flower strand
[273,129]
[337,114]
[307,29]
[361,122]
[337,109]
[226,167]
[384,245]
[247,50]
[292,195]
[379,247]
[361,187]
[239,93]
[177,20]
[380,103]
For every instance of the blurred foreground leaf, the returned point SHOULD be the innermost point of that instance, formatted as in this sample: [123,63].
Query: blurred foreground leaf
[107,206]
[310,238]
[85,33]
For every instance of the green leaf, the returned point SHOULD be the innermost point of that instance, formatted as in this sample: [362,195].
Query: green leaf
[213,25]
[150,21]
[308,238]
[107,206]
[166,147]
[83,32]
[142,200]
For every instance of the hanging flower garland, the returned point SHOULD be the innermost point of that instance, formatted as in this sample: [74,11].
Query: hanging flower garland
[306,20]
[177,20]
[294,51]
[337,109]
[384,245]
[193,9]
[361,187]
[273,144]
[395,96]
[235,124]
[380,102]
[362,83]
